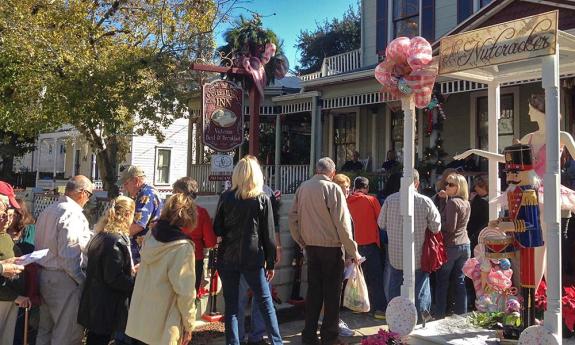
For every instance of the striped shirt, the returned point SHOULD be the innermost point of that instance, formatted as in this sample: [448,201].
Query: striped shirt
[425,215]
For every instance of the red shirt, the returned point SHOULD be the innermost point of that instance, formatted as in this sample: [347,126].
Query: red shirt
[203,234]
[364,211]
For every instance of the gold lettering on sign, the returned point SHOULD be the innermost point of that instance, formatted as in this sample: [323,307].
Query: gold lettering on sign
[506,42]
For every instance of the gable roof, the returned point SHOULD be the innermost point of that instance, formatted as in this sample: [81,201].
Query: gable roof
[500,11]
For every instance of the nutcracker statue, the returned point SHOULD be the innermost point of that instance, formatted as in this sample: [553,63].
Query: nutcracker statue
[523,221]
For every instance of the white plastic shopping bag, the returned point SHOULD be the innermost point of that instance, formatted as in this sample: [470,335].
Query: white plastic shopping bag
[355,296]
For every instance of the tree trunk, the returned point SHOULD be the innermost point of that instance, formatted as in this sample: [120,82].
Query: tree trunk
[7,167]
[108,165]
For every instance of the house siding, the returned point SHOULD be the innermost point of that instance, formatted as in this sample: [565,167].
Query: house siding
[144,152]
[369,32]
[445,16]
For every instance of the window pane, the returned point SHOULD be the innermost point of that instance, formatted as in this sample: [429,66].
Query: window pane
[405,8]
[163,166]
[485,2]
[407,27]
[506,129]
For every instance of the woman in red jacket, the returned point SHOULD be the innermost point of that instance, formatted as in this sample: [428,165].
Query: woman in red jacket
[203,234]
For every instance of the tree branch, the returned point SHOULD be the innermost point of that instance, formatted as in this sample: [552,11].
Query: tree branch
[110,13]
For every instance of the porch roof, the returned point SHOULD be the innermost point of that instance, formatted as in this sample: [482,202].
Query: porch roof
[522,70]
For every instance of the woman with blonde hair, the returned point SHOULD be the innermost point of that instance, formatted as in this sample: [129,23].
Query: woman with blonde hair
[109,283]
[244,220]
[343,182]
[454,219]
[162,310]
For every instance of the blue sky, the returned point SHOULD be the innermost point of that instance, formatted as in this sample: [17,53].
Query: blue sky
[291,17]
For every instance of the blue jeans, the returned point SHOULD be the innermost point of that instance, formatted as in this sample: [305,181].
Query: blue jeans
[373,273]
[422,292]
[452,271]
[257,326]
[262,296]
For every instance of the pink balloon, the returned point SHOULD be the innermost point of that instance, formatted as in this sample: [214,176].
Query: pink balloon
[421,82]
[398,50]
[420,53]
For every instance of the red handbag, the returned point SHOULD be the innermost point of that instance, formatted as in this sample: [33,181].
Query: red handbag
[433,254]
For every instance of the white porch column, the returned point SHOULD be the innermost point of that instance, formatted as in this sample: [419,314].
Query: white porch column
[493,103]
[278,151]
[406,203]
[319,128]
[550,80]
[314,134]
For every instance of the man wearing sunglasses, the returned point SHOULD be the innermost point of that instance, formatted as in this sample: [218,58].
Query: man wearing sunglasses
[63,229]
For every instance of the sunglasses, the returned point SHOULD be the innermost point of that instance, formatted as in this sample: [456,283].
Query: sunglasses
[88,192]
[451,184]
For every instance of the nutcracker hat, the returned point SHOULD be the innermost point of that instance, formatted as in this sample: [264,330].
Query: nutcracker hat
[518,158]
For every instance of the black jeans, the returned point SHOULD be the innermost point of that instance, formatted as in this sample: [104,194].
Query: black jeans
[199,274]
[97,339]
[324,277]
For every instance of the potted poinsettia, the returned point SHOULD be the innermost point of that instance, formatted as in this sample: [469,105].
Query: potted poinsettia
[383,337]
[567,302]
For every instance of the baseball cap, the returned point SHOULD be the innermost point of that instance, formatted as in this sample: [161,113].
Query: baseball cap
[7,190]
[130,172]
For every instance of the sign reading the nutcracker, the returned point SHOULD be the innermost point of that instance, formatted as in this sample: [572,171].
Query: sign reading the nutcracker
[506,42]
[223,120]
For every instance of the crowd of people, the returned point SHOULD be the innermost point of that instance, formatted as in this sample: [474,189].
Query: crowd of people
[134,277]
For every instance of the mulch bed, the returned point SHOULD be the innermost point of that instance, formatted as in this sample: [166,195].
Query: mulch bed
[205,333]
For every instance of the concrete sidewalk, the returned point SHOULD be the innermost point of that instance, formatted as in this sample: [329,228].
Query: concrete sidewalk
[362,324]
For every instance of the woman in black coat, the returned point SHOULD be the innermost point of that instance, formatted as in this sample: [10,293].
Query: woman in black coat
[109,279]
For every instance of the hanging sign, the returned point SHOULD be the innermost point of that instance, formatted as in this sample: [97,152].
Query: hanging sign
[222,167]
[506,42]
[222,111]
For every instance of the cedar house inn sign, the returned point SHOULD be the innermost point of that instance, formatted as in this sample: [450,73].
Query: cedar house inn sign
[506,42]
[222,111]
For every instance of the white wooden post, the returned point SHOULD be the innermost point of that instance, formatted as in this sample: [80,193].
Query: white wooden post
[550,80]
[406,201]
[278,151]
[494,108]
[314,125]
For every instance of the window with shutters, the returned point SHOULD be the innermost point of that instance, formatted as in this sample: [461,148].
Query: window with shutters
[464,10]
[382,23]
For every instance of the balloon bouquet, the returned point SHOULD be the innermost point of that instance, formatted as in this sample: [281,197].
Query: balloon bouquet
[407,69]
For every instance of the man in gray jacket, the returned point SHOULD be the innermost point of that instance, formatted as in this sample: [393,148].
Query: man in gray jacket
[320,223]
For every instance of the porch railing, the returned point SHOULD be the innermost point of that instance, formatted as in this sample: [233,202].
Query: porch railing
[290,177]
[337,64]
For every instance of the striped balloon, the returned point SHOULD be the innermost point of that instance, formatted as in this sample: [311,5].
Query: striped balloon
[420,53]
[397,50]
